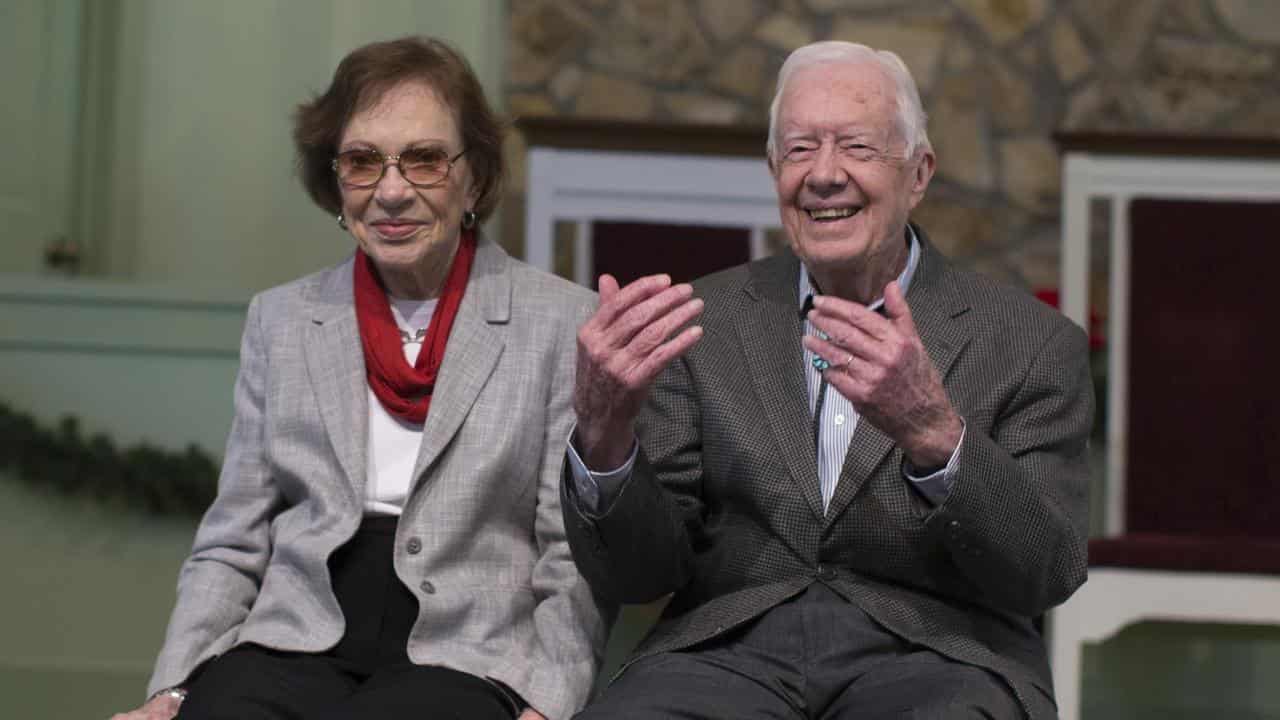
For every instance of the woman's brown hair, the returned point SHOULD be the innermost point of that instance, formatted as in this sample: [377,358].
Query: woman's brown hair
[362,78]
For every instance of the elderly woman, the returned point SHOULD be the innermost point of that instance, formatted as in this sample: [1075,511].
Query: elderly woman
[387,538]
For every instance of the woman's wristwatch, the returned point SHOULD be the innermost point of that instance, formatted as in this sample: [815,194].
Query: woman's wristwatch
[177,693]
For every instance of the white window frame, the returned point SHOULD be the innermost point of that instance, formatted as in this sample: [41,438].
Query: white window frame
[585,186]
[1120,178]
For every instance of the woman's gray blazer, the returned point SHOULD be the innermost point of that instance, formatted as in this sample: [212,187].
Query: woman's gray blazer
[481,543]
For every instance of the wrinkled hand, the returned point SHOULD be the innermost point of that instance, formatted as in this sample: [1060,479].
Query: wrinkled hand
[621,349]
[161,707]
[531,714]
[880,365]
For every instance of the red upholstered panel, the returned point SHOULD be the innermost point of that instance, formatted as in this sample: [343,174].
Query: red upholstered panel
[1180,552]
[1204,393]
[633,250]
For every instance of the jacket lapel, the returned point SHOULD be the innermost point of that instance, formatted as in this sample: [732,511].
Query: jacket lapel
[770,335]
[471,355]
[335,365]
[936,310]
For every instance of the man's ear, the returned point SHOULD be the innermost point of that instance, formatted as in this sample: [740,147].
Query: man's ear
[922,173]
[925,169]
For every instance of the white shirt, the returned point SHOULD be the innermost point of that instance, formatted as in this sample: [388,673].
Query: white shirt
[394,443]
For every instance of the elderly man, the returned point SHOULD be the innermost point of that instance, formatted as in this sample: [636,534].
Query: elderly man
[862,476]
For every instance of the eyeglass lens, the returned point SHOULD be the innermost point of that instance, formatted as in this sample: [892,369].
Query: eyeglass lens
[420,166]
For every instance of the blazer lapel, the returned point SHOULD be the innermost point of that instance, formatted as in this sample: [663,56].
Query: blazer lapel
[770,335]
[936,310]
[335,365]
[471,354]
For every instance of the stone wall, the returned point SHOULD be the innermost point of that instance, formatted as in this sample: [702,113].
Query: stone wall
[997,78]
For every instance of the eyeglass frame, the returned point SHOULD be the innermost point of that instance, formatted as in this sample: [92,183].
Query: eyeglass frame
[395,159]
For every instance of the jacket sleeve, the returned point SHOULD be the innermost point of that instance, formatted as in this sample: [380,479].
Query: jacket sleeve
[639,548]
[1015,522]
[571,625]
[219,581]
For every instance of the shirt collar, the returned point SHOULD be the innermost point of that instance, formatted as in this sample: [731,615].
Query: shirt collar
[904,279]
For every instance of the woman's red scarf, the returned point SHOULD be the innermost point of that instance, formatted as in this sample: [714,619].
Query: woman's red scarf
[403,390]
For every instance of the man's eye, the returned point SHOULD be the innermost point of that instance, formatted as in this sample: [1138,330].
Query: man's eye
[799,152]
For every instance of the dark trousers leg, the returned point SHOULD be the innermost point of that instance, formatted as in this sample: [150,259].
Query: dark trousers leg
[814,657]
[253,683]
[924,685]
[414,691]
[861,671]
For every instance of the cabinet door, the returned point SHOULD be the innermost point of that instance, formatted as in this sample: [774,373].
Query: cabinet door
[1204,392]
[39,81]
[631,250]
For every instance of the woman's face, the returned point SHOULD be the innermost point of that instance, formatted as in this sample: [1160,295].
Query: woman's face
[409,232]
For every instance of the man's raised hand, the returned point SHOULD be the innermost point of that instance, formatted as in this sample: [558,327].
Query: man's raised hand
[632,336]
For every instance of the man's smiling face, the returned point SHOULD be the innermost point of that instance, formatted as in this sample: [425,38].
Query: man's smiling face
[845,183]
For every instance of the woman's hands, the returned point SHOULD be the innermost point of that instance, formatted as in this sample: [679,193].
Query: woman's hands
[160,707]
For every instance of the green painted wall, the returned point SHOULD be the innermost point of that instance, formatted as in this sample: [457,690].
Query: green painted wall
[39,82]
[88,589]
[188,170]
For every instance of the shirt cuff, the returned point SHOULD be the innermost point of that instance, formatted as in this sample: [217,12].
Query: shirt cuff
[936,486]
[597,490]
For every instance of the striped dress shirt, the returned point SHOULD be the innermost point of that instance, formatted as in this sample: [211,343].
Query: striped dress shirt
[838,419]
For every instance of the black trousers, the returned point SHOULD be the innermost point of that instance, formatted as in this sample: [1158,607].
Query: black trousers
[366,675]
[815,657]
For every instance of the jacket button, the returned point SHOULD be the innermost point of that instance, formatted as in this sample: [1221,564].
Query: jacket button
[826,573]
[414,546]
[427,587]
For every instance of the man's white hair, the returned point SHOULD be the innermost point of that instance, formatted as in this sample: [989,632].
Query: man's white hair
[911,117]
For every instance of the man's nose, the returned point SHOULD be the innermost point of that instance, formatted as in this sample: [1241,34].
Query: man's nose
[826,173]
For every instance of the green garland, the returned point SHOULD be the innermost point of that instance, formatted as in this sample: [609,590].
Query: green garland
[159,481]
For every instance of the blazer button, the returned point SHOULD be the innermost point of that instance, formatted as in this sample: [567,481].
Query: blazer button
[414,546]
[427,587]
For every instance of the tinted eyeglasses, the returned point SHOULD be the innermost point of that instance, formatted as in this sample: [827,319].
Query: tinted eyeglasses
[422,167]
